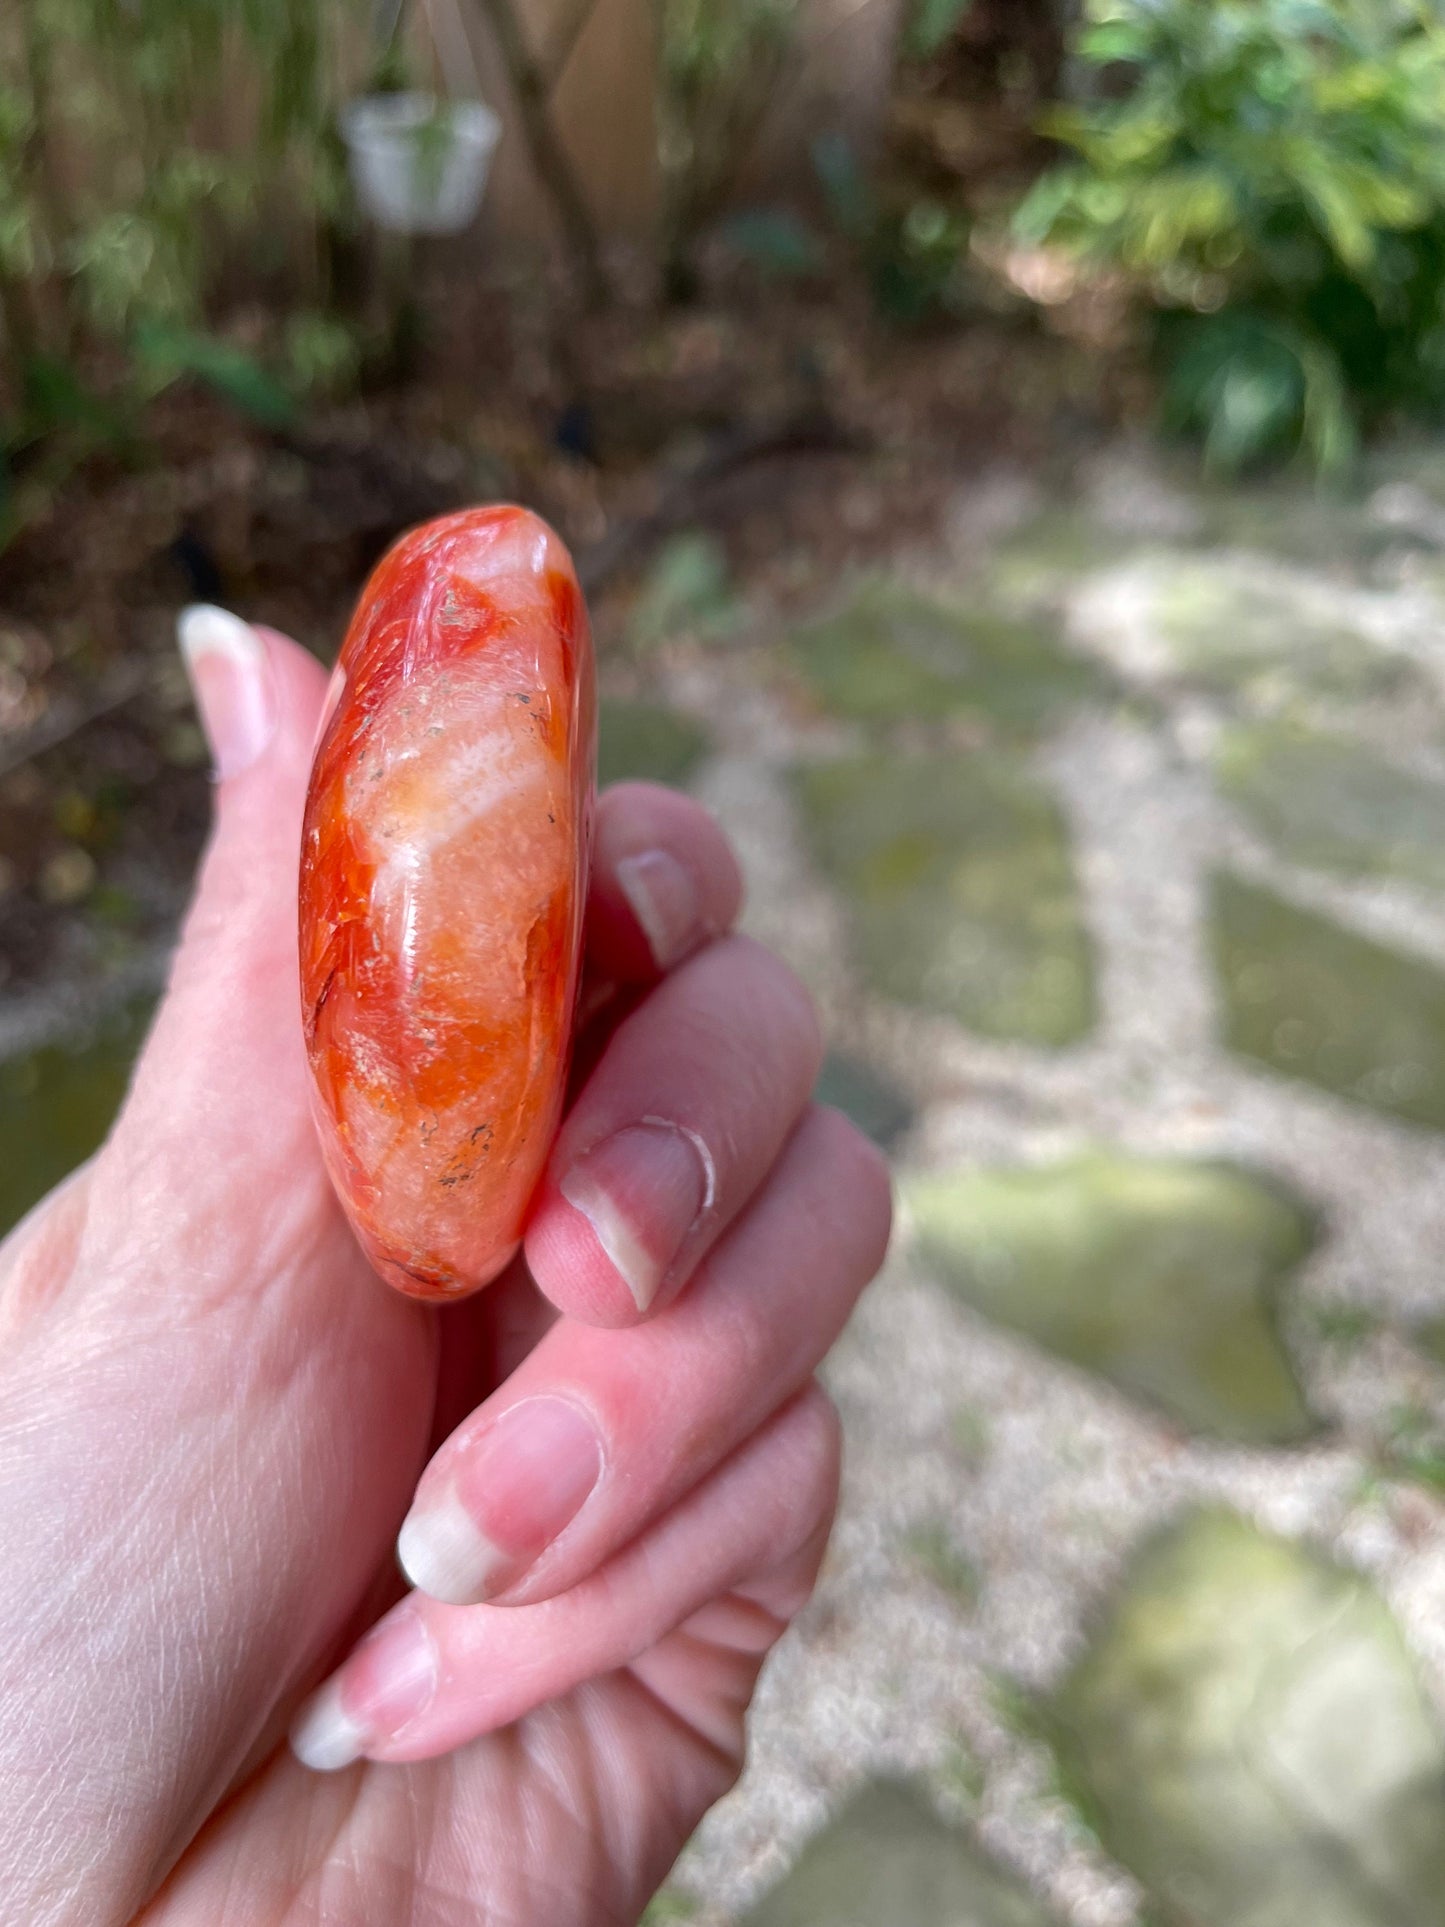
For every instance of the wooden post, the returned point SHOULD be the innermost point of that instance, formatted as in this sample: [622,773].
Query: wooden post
[531,95]
[839,81]
[594,64]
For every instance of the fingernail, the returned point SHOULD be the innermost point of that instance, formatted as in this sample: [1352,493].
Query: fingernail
[663,896]
[512,1490]
[231,678]
[642,1191]
[387,1683]
[335,690]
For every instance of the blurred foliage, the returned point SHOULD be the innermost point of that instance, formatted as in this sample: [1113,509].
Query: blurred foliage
[131,181]
[1272,173]
[687,591]
[776,241]
[720,63]
[930,25]
[912,247]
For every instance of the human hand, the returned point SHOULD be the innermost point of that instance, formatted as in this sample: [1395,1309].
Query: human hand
[212,1419]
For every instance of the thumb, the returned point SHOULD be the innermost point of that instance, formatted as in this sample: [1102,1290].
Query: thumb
[225,1052]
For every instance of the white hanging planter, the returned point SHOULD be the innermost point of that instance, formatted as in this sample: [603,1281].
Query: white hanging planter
[419,163]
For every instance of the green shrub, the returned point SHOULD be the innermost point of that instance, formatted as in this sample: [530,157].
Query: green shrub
[1272,174]
[912,248]
[720,63]
[130,181]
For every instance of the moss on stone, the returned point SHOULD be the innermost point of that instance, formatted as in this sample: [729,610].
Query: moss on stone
[57,1104]
[933,1550]
[1315,1001]
[1231,624]
[1324,800]
[892,655]
[647,740]
[1159,1274]
[888,1861]
[957,877]
[1251,1741]
[875,1105]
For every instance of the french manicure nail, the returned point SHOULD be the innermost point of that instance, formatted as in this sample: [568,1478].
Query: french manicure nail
[387,1682]
[512,1490]
[231,678]
[642,1190]
[663,896]
[330,702]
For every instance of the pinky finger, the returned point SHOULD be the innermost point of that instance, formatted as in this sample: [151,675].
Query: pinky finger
[736,1558]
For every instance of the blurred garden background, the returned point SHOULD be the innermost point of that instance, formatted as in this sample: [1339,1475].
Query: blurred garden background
[1003,442]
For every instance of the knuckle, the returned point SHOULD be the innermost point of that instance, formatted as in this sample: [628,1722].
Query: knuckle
[803,1014]
[636,812]
[736,996]
[770,985]
[864,1179]
[818,1445]
[634,795]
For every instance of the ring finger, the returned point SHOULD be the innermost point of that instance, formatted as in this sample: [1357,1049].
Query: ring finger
[675,1129]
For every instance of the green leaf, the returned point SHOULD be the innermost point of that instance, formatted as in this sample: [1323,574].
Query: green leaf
[323,355]
[167,353]
[1113,41]
[1040,214]
[1328,428]
[687,590]
[1270,171]
[1238,384]
[55,398]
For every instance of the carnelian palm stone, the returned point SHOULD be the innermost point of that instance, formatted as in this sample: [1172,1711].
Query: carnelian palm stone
[443,872]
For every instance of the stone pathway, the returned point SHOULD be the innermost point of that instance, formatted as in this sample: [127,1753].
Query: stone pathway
[1111,840]
[1112,845]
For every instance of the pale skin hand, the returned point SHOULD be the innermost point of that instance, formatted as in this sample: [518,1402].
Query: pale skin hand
[213,1418]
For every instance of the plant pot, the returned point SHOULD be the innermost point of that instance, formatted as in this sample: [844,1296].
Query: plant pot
[419,164]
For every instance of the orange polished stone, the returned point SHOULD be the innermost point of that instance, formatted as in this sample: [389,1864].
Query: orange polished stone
[443,872]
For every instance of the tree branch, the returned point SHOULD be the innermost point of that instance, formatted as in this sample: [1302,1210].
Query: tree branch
[564,41]
[531,87]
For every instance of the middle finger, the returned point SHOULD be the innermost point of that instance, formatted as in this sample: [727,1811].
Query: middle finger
[598,1433]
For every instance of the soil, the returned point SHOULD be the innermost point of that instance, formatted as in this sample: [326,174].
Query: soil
[789,423]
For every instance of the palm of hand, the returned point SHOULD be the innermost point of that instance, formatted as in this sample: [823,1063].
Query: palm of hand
[236,1413]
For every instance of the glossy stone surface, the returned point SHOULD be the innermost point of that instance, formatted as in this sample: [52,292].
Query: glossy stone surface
[443,873]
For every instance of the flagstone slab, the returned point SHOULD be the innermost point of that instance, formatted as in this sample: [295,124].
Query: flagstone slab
[1162,1275]
[889,1861]
[1328,802]
[1246,1731]
[959,889]
[1312,1000]
[892,654]
[648,740]
[57,1103]
[875,1105]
